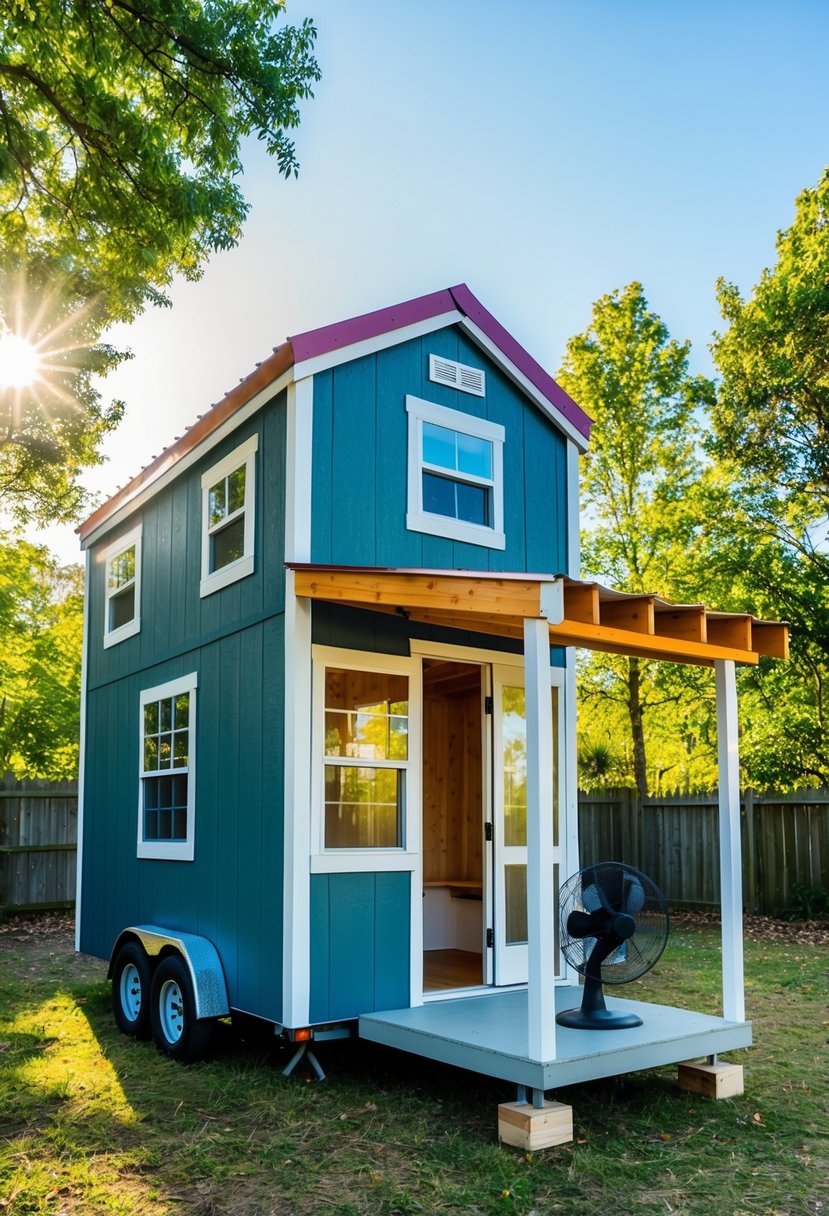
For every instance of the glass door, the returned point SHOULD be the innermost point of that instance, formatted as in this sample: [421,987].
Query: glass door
[510,819]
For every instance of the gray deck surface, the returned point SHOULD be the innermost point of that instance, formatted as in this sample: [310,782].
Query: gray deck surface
[488,1034]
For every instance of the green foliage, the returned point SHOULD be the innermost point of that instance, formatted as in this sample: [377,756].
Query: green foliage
[808,903]
[766,542]
[641,482]
[121,124]
[41,631]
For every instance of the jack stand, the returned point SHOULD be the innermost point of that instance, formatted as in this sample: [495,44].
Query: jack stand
[304,1052]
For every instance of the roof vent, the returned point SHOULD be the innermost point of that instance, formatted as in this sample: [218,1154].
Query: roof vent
[457,375]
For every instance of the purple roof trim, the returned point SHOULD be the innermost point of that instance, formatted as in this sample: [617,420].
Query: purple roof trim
[317,342]
[369,325]
[514,351]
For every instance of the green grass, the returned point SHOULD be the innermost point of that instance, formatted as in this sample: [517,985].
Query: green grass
[94,1123]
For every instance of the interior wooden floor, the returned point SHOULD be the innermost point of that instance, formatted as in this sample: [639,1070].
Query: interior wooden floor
[451,969]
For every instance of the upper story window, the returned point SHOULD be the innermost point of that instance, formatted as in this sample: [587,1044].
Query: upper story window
[228,495]
[166,800]
[455,475]
[122,588]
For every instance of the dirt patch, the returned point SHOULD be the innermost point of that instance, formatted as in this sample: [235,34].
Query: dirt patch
[760,928]
[44,945]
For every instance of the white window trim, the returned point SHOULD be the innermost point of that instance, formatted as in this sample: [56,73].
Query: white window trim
[245,454]
[113,636]
[418,520]
[367,860]
[169,850]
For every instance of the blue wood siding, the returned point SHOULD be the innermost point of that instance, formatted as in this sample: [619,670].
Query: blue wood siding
[233,639]
[231,892]
[360,944]
[174,617]
[359,492]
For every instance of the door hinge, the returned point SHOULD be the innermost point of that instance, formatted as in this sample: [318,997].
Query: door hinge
[490,939]
[487,705]
[487,831]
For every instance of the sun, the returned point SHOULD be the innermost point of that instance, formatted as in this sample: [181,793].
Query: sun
[19,361]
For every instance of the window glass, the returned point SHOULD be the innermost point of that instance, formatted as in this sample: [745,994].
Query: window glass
[366,747]
[474,455]
[166,755]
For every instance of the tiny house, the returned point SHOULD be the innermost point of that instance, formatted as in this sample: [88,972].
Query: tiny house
[328,756]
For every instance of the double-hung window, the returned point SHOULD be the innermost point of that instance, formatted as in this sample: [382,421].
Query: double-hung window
[228,496]
[122,588]
[166,798]
[455,475]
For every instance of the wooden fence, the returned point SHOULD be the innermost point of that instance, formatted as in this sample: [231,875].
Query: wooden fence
[675,841]
[38,844]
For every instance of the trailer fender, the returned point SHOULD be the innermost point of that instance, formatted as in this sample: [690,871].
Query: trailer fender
[200,956]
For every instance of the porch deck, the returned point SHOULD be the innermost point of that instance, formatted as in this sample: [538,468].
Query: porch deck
[488,1034]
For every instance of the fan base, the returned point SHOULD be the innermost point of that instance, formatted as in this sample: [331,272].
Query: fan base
[597,1019]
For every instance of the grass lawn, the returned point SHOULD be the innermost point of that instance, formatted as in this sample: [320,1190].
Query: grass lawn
[92,1122]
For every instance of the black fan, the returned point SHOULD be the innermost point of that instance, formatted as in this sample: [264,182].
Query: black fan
[614,926]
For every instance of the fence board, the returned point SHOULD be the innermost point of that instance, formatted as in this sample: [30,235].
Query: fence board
[38,844]
[676,842]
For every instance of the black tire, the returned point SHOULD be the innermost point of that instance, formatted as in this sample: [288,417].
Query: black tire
[132,976]
[176,1030]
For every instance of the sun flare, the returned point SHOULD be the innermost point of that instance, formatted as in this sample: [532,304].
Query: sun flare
[19,361]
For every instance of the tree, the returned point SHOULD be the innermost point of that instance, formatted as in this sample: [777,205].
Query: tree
[641,476]
[121,126]
[767,540]
[41,631]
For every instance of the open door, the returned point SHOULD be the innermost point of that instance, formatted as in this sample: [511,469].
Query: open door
[454,929]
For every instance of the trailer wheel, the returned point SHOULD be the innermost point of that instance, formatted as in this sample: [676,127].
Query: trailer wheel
[176,1030]
[131,982]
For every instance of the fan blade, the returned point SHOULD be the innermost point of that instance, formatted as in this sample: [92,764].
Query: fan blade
[586,924]
[591,897]
[634,895]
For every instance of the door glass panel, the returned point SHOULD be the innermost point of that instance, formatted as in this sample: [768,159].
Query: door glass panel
[515,765]
[515,892]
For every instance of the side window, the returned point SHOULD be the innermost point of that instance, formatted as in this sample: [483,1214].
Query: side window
[122,588]
[455,484]
[228,496]
[166,797]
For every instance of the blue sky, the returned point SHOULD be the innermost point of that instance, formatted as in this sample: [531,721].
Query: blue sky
[545,153]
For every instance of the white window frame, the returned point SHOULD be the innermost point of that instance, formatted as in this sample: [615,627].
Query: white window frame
[129,540]
[338,861]
[418,520]
[170,850]
[214,580]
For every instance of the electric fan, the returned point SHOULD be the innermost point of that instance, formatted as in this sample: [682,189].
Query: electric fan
[614,926]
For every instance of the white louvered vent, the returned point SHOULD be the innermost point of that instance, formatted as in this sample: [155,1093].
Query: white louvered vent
[457,375]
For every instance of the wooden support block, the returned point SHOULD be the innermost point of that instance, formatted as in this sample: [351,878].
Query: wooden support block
[711,1080]
[530,1127]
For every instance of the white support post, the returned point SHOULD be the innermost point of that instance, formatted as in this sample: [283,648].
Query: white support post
[541,909]
[731,872]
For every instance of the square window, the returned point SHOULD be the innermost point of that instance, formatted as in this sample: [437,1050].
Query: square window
[122,588]
[228,497]
[166,797]
[455,486]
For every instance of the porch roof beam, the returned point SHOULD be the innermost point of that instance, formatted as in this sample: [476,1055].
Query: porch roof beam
[577,613]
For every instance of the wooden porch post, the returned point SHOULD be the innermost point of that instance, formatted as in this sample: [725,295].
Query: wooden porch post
[731,869]
[541,908]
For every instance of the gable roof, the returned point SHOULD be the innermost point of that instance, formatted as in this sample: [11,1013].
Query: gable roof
[310,352]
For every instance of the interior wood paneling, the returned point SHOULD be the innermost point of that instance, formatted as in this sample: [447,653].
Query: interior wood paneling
[452,772]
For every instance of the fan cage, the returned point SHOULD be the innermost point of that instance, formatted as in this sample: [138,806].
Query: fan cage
[615,886]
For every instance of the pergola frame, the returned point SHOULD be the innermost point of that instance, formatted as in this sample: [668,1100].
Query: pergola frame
[543,610]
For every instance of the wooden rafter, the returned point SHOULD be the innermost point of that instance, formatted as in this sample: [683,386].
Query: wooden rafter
[579,613]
